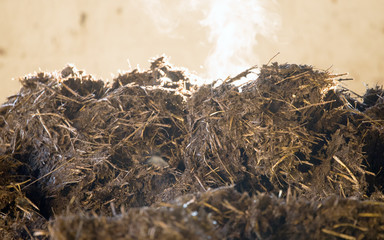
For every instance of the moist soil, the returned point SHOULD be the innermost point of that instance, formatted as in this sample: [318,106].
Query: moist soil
[290,154]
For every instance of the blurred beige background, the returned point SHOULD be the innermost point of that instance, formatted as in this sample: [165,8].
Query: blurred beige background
[104,37]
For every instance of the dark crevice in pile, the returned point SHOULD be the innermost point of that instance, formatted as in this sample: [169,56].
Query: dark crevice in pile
[151,151]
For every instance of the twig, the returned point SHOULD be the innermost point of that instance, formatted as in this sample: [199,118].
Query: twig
[370,215]
[278,162]
[47,174]
[200,183]
[345,166]
[337,234]
[345,79]
[70,90]
[240,75]
[270,60]
[42,123]
[312,105]
[294,77]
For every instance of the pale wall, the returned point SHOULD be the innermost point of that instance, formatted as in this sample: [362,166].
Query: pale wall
[99,36]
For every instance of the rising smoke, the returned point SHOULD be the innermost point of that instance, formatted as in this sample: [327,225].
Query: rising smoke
[233,27]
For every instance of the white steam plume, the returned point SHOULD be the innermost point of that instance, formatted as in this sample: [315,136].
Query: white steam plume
[233,27]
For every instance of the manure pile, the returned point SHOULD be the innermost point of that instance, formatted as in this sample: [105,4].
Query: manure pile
[289,155]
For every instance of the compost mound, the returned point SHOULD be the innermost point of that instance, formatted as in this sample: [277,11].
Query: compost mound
[290,154]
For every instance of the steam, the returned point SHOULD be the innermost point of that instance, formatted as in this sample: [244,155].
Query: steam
[233,28]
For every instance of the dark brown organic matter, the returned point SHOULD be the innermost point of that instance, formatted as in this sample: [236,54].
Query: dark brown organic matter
[289,155]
